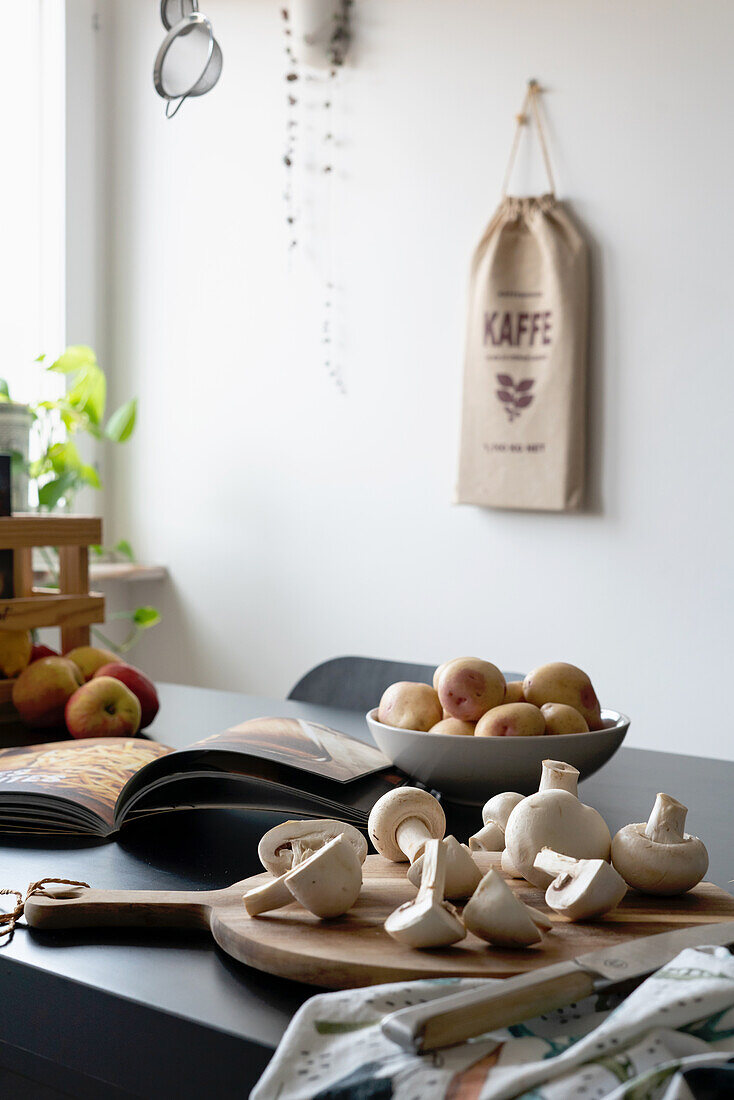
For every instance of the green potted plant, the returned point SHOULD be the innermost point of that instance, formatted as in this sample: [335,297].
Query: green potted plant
[57,471]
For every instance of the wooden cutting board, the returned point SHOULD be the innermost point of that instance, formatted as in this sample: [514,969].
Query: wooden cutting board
[354,950]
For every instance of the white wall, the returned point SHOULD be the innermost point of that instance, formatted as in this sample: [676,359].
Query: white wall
[298,524]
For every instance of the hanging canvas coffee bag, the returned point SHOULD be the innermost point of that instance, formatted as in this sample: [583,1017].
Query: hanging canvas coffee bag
[524,402]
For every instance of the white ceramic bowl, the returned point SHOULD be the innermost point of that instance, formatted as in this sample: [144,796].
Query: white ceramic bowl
[471,769]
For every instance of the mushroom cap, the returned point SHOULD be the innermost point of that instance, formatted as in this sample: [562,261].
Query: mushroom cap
[278,846]
[328,882]
[500,806]
[655,868]
[494,914]
[462,874]
[508,867]
[553,819]
[395,807]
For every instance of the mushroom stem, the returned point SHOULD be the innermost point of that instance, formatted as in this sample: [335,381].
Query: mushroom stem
[490,838]
[412,836]
[666,823]
[557,776]
[554,863]
[273,895]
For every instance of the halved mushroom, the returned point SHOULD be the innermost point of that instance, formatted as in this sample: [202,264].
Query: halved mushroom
[495,812]
[403,821]
[428,920]
[581,888]
[283,847]
[327,883]
[658,857]
[496,915]
[462,874]
[286,845]
[553,819]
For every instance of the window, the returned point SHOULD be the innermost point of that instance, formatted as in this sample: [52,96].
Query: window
[32,193]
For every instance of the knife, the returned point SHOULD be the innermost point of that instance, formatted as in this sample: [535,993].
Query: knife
[461,1016]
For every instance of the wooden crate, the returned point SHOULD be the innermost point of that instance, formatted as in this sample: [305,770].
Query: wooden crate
[72,607]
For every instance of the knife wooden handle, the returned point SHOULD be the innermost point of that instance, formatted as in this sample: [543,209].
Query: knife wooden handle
[472,1012]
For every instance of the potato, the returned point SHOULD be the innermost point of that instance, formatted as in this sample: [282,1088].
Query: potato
[468,687]
[511,720]
[562,683]
[409,706]
[560,718]
[453,725]
[513,692]
[439,670]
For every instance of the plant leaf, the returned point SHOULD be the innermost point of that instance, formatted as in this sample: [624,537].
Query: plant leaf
[121,424]
[63,457]
[145,617]
[505,396]
[4,390]
[90,476]
[526,384]
[523,402]
[88,394]
[96,550]
[75,358]
[52,492]
[123,547]
[505,380]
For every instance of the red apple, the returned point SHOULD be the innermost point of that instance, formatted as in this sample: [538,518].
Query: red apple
[38,651]
[103,707]
[139,685]
[42,689]
[89,658]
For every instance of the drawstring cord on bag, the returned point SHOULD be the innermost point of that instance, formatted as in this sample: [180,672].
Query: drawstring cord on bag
[529,103]
[8,920]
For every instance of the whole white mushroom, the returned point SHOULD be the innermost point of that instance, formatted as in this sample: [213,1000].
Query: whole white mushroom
[557,820]
[657,856]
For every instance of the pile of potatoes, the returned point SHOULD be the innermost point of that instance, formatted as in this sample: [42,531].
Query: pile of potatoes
[471,697]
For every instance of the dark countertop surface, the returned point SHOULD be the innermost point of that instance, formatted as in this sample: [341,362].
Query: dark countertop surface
[141,1012]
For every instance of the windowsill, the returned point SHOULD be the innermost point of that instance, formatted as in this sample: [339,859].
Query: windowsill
[116,571]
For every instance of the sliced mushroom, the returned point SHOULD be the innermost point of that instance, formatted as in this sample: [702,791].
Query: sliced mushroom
[658,857]
[542,920]
[553,819]
[496,915]
[581,888]
[286,845]
[495,812]
[428,920]
[462,874]
[290,843]
[327,883]
[402,821]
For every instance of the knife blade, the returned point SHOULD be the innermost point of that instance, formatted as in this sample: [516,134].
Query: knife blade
[461,1016]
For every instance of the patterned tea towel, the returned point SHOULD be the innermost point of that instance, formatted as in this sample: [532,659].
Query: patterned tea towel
[670,1039]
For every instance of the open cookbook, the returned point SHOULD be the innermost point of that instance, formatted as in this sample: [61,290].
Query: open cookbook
[94,786]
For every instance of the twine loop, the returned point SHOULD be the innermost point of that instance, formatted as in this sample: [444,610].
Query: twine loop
[529,106]
[8,920]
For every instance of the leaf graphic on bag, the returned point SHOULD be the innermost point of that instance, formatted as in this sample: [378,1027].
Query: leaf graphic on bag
[505,396]
[526,384]
[505,380]
[524,401]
